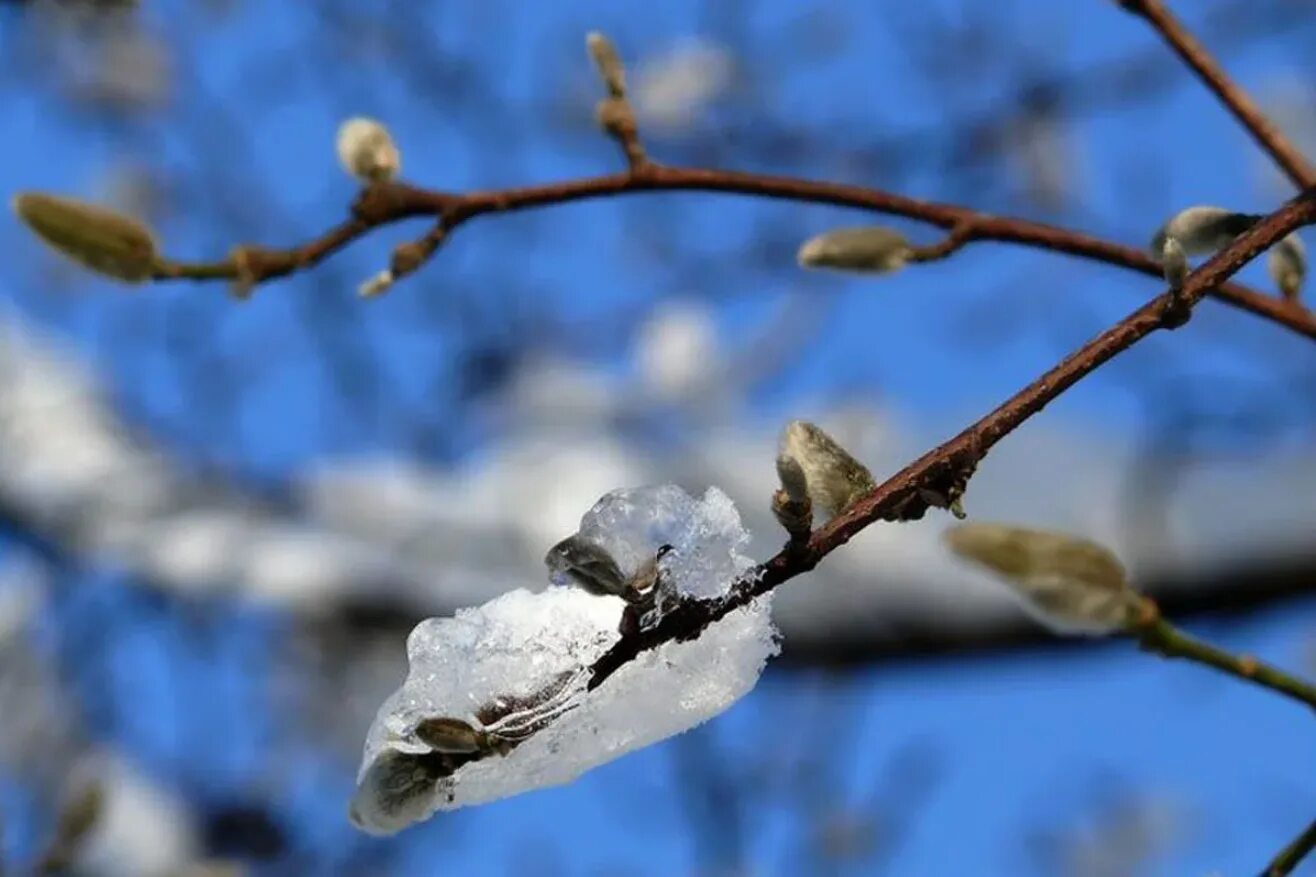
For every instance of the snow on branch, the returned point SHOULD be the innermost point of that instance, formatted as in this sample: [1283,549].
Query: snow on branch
[496,701]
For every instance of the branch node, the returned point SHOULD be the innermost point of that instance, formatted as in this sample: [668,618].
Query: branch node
[946,491]
[1146,615]
[1177,312]
[253,265]
[959,235]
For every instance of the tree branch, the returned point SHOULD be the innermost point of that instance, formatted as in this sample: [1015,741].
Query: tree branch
[385,203]
[944,470]
[1293,854]
[1235,99]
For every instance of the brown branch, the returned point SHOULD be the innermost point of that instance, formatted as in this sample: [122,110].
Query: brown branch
[1292,855]
[944,469]
[384,203]
[1235,99]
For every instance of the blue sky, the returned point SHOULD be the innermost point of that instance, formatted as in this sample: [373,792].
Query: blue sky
[1020,740]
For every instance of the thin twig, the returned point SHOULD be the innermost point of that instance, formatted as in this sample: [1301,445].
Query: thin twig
[1235,99]
[385,203]
[1156,634]
[1292,855]
[958,236]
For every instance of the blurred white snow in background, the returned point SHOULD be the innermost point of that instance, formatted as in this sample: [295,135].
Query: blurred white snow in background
[671,89]
[143,830]
[398,532]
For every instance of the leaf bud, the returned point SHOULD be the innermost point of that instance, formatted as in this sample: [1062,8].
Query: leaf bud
[834,478]
[366,150]
[1202,230]
[1287,266]
[1174,263]
[1071,585]
[102,240]
[867,250]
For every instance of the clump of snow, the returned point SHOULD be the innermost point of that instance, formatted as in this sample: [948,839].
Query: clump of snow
[705,534]
[516,668]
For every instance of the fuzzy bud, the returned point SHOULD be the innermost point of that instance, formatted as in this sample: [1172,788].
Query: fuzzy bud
[834,479]
[1202,230]
[443,734]
[109,243]
[608,61]
[1287,265]
[1070,585]
[1174,263]
[366,150]
[868,250]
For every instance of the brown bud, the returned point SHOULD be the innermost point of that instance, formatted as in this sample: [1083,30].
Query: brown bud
[453,736]
[407,258]
[99,239]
